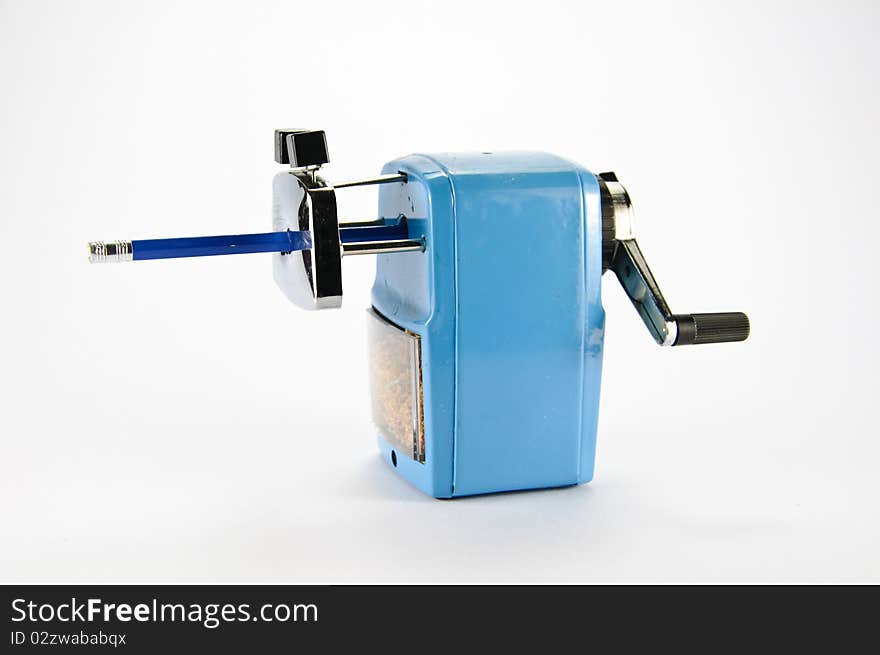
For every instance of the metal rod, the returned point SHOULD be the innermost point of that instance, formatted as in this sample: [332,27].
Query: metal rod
[380,247]
[381,179]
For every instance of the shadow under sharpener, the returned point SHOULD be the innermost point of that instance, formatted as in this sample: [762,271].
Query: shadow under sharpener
[486,348]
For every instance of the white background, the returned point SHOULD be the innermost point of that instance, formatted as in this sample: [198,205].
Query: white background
[179,421]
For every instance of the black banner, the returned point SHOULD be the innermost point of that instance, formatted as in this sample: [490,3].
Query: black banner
[257,619]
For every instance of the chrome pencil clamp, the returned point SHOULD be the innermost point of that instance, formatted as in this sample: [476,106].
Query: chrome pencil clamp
[308,241]
[303,201]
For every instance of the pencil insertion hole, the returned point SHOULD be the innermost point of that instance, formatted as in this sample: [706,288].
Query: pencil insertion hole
[394,458]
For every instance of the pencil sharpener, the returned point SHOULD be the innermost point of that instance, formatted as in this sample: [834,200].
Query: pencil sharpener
[485,325]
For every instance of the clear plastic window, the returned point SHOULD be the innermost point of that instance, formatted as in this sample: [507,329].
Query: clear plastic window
[396,385]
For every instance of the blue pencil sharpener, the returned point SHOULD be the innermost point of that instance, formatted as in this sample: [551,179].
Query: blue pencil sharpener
[486,324]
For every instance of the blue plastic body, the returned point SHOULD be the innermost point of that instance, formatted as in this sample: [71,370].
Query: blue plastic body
[506,301]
